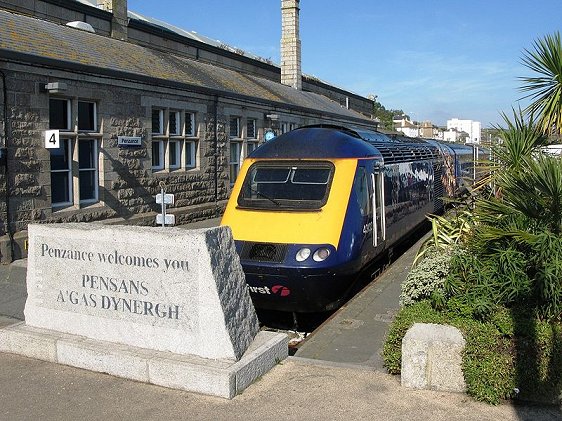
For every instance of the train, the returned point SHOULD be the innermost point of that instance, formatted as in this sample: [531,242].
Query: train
[313,208]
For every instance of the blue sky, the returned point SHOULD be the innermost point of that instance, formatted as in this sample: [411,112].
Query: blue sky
[434,59]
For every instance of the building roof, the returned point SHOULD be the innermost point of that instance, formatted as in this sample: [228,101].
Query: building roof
[40,42]
[192,35]
[182,32]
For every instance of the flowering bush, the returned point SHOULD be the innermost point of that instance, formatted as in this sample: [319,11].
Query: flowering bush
[427,277]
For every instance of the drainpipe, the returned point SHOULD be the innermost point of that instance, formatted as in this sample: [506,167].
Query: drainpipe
[216,149]
[4,162]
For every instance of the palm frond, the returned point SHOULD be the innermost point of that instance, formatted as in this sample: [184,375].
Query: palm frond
[545,90]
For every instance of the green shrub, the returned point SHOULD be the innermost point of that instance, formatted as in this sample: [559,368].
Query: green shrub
[449,230]
[510,355]
[426,277]
[483,282]
[488,365]
[523,225]
[524,270]
[538,349]
[546,261]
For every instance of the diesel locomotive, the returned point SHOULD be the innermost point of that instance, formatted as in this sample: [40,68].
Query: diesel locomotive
[312,208]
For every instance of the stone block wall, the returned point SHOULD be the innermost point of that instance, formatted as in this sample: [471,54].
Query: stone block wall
[128,183]
[3,213]
[432,358]
[25,178]
[291,74]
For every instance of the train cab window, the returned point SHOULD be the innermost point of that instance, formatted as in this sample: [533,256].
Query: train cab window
[299,186]
[361,186]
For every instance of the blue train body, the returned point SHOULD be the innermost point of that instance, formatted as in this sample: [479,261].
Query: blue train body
[314,207]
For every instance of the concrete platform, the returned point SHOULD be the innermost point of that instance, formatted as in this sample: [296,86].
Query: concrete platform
[349,384]
[221,378]
[13,292]
[355,334]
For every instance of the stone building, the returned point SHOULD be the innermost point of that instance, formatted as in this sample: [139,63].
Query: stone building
[95,118]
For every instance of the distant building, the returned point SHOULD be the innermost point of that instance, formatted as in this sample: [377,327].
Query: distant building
[429,130]
[455,136]
[473,129]
[403,124]
[425,129]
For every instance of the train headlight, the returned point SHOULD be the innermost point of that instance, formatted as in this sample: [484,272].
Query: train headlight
[321,254]
[302,254]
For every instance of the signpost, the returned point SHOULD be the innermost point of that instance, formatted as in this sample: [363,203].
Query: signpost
[164,199]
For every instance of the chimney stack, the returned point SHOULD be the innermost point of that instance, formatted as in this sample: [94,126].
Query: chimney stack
[120,21]
[290,44]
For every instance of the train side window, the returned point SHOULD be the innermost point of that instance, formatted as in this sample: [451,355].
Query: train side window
[378,193]
[361,185]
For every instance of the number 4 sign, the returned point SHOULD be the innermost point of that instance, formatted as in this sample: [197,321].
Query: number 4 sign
[52,139]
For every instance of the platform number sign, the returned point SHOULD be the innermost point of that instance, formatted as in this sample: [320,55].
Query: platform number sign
[52,140]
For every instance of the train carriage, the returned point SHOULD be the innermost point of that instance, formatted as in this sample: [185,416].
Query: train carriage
[313,207]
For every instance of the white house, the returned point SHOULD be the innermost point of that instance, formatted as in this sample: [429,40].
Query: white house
[472,128]
[404,125]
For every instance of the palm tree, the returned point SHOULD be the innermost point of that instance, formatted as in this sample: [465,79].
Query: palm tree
[545,90]
[520,139]
[514,233]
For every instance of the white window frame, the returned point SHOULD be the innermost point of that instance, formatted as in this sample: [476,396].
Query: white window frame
[72,138]
[161,155]
[68,112]
[250,149]
[191,153]
[190,116]
[95,169]
[251,122]
[177,115]
[230,131]
[95,129]
[177,145]
[235,164]
[183,143]
[68,170]
[160,119]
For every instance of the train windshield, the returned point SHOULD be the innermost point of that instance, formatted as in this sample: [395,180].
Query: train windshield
[298,186]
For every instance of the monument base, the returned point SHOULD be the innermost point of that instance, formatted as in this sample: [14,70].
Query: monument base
[221,378]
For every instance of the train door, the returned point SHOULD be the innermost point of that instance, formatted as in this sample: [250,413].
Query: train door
[369,191]
[379,217]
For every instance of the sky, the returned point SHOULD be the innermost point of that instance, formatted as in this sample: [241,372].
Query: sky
[433,59]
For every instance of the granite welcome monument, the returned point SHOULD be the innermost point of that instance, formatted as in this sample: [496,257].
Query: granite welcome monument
[163,306]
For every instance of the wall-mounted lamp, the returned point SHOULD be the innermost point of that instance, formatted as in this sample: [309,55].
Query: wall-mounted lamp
[56,87]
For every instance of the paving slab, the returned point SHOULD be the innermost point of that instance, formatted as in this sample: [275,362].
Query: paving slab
[13,291]
[355,334]
[293,390]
